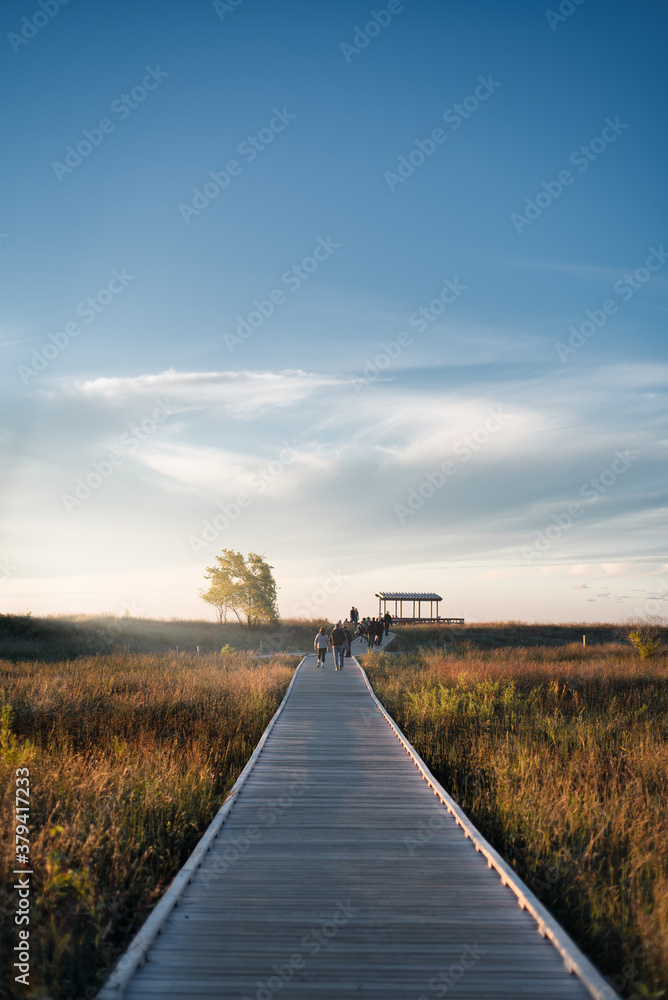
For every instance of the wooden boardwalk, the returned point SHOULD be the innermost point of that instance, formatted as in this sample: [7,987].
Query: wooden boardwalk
[338,872]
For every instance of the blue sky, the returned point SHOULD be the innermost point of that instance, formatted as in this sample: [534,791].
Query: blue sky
[380,292]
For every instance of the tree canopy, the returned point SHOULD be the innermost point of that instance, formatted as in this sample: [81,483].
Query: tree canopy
[244,586]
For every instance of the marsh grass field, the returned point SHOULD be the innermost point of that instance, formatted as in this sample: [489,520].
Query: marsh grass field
[559,755]
[130,756]
[60,637]
[557,752]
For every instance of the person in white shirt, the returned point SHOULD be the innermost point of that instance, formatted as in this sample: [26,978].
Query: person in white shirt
[320,644]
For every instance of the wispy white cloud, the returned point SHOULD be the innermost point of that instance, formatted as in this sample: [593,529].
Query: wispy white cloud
[245,395]
[11,334]
[374,446]
[225,473]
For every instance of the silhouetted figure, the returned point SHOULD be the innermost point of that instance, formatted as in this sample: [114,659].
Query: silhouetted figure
[337,641]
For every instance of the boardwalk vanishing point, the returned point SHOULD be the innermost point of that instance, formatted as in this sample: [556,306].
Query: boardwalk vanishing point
[337,867]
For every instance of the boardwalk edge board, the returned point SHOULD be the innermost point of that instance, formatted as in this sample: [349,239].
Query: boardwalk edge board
[136,952]
[575,960]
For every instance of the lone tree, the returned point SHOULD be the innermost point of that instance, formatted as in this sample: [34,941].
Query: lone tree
[244,586]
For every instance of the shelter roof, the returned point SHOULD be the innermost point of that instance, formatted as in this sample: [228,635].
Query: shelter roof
[396,595]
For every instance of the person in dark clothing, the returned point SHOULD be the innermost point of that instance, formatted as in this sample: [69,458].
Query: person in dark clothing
[337,641]
[387,618]
[349,639]
[374,631]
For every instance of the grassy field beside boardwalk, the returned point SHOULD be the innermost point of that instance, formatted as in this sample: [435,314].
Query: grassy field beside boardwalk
[24,637]
[495,635]
[559,755]
[129,757]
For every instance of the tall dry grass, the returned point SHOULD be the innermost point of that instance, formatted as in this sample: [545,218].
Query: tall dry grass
[130,757]
[560,758]
[496,635]
[24,637]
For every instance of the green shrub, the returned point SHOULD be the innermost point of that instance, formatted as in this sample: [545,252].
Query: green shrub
[647,645]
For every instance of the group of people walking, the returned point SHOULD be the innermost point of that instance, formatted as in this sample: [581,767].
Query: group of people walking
[340,638]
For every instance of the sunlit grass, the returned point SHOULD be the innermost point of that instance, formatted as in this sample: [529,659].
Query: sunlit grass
[63,637]
[557,752]
[560,758]
[130,757]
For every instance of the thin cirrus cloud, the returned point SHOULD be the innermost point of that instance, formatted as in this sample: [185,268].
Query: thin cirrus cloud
[227,473]
[393,424]
[226,428]
[245,395]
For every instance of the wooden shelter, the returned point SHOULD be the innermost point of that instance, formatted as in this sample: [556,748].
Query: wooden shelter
[399,598]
